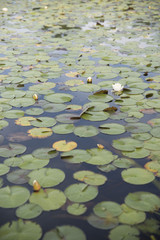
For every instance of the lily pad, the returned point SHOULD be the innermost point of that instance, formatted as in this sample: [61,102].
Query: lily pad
[86,131]
[30,162]
[137,176]
[28,211]
[3,169]
[18,176]
[95,116]
[12,197]
[143,201]
[12,150]
[47,177]
[127,144]
[63,128]
[43,122]
[34,111]
[13,114]
[20,230]
[124,232]
[137,153]
[76,209]
[138,128]
[90,178]
[48,199]
[54,107]
[40,132]
[81,192]
[105,208]
[24,121]
[45,153]
[76,156]
[112,128]
[123,163]
[106,223]
[64,146]
[99,156]
[67,118]
[22,102]
[3,124]
[100,98]
[68,232]
[58,98]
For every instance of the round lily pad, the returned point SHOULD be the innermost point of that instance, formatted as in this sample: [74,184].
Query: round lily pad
[137,176]
[137,153]
[155,132]
[86,88]
[30,162]
[80,192]
[105,208]
[18,176]
[64,146]
[123,163]
[131,216]
[74,82]
[22,102]
[13,114]
[42,86]
[58,98]
[24,121]
[100,98]
[112,128]
[67,118]
[76,209]
[3,124]
[100,156]
[47,177]
[86,131]
[90,177]
[12,150]
[48,199]
[43,122]
[143,201]
[54,107]
[45,153]
[3,169]
[127,144]
[95,116]
[76,156]
[42,132]
[20,229]
[138,128]
[106,223]
[63,128]
[34,111]
[152,144]
[68,232]
[11,197]
[28,211]
[124,232]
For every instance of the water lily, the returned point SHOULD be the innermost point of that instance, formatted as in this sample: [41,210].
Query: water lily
[117,87]
[89,80]
[36,186]
[4,9]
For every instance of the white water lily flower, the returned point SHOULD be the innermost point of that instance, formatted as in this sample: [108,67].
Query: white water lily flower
[5,9]
[117,87]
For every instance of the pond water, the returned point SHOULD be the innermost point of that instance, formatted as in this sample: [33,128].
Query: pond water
[92,148]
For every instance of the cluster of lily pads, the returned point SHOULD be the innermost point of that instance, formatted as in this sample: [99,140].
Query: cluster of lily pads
[80,73]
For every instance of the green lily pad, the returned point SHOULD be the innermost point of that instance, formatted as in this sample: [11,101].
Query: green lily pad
[149,226]
[90,177]
[12,150]
[42,86]
[131,216]
[45,153]
[18,176]
[48,199]
[106,223]
[138,128]
[3,124]
[3,169]
[54,107]
[137,153]
[47,177]
[20,230]
[67,118]
[63,128]
[74,82]
[86,131]
[22,102]
[42,132]
[99,156]
[43,122]
[96,106]
[153,103]
[28,211]
[112,128]
[76,209]
[123,163]
[13,114]
[124,232]
[12,197]
[58,98]
[80,192]
[107,168]
[105,208]
[141,136]
[13,94]
[127,144]
[137,176]
[155,132]
[95,116]
[68,232]
[100,98]
[76,156]
[143,201]
[152,144]
[86,88]
[30,162]
[34,111]
[13,161]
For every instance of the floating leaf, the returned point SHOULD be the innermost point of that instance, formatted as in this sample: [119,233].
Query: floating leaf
[155,132]
[30,162]
[54,107]
[58,98]
[23,230]
[42,86]
[81,192]
[12,197]
[106,223]
[3,124]
[109,208]
[22,102]
[76,156]
[138,128]
[124,232]
[28,211]
[48,199]
[86,88]
[3,169]
[100,98]
[18,176]
[123,163]
[76,209]
[47,177]
[86,131]
[143,201]
[40,132]
[43,122]
[127,144]
[74,82]
[68,232]
[12,150]
[90,177]
[131,216]
[24,121]
[137,176]
[137,153]
[45,153]
[149,226]
[13,114]
[152,144]
[67,118]
[63,128]
[64,146]
[99,156]
[112,128]
[153,166]
[34,111]
[95,116]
